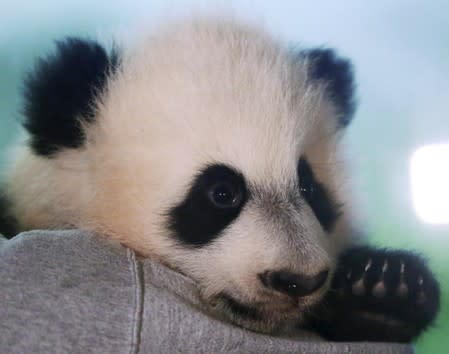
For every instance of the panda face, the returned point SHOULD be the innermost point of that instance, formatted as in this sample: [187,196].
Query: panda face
[210,148]
[262,253]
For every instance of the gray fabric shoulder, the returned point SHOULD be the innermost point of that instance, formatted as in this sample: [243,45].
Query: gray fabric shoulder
[65,292]
[69,291]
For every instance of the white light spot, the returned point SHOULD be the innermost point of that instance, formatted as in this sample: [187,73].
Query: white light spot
[429,173]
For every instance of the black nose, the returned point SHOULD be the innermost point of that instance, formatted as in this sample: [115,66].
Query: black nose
[293,284]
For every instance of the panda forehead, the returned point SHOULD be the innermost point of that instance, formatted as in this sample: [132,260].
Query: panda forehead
[236,98]
[214,93]
[212,76]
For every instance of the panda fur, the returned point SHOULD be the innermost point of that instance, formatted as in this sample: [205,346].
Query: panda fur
[213,148]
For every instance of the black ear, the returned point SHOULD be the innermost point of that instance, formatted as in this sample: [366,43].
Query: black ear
[338,76]
[61,90]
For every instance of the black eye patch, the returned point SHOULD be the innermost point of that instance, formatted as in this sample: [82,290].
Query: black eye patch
[316,195]
[214,200]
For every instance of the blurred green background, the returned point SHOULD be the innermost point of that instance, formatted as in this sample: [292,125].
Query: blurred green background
[401,53]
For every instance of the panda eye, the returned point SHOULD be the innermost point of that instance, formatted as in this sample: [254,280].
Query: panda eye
[307,184]
[317,196]
[225,195]
[307,191]
[215,199]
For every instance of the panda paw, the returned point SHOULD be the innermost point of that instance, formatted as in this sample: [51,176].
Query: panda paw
[383,295]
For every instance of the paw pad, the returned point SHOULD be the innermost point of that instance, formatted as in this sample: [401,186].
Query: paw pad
[402,290]
[358,288]
[379,290]
[395,288]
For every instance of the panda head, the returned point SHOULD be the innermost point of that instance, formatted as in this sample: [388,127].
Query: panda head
[209,147]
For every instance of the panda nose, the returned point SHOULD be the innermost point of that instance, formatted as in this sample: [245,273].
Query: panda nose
[295,285]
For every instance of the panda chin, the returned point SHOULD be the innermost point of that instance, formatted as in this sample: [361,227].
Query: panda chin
[280,315]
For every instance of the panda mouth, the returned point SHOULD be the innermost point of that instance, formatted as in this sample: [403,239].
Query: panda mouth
[239,308]
[261,310]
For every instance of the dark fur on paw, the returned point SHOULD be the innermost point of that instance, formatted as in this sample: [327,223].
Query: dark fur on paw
[381,295]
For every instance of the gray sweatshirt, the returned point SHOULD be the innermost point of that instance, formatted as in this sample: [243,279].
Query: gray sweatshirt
[72,292]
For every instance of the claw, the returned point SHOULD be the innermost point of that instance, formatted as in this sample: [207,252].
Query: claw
[385,267]
[368,265]
[402,271]
[401,276]
[420,280]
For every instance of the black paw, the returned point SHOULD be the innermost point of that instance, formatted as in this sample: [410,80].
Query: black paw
[383,295]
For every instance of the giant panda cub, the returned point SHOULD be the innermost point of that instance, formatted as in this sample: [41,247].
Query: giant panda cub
[213,148]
